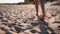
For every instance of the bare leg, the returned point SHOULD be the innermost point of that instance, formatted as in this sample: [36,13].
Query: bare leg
[42,7]
[36,6]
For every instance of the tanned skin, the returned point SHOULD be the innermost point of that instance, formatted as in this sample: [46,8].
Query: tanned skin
[42,7]
[36,6]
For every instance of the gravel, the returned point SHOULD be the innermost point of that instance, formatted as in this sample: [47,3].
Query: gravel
[18,19]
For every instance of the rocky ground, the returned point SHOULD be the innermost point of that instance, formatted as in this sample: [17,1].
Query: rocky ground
[21,19]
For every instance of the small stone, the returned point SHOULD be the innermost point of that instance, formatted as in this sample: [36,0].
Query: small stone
[18,29]
[34,24]
[4,20]
[33,31]
[1,17]
[59,28]
[24,20]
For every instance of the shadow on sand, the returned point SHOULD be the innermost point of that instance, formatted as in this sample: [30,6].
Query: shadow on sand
[44,27]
